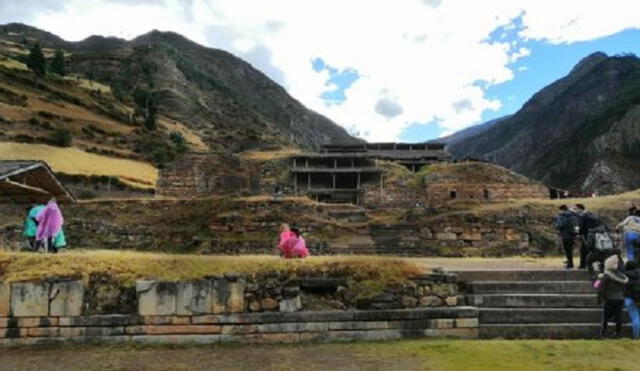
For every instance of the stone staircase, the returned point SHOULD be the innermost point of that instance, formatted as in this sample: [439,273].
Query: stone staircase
[534,304]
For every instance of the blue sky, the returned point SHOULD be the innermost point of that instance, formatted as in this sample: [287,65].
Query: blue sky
[546,63]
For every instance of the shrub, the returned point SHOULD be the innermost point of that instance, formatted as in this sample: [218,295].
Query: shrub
[62,137]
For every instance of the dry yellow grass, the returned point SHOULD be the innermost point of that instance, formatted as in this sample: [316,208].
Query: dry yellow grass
[13,64]
[76,162]
[194,141]
[263,156]
[89,84]
[128,266]
[619,201]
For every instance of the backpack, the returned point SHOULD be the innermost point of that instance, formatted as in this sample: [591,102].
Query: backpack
[568,224]
[634,224]
[602,241]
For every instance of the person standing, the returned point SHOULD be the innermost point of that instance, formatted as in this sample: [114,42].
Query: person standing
[50,222]
[631,228]
[31,225]
[566,223]
[612,283]
[632,296]
[586,221]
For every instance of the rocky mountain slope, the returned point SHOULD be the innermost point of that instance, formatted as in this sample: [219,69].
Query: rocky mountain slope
[470,131]
[220,101]
[581,132]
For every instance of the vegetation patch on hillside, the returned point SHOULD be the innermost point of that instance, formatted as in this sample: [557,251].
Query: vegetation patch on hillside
[76,162]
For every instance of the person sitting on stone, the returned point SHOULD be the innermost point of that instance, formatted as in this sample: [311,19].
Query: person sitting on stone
[285,235]
[299,249]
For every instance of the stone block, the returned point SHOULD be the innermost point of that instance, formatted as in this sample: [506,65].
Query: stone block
[290,305]
[91,331]
[430,301]
[367,335]
[43,332]
[467,322]
[269,304]
[445,289]
[446,236]
[293,327]
[441,323]
[472,236]
[205,320]
[100,320]
[235,302]
[30,299]
[359,325]
[451,301]
[5,299]
[270,338]
[409,301]
[166,320]
[66,299]
[37,322]
[173,330]
[219,296]
[239,329]
[193,298]
[156,298]
[175,339]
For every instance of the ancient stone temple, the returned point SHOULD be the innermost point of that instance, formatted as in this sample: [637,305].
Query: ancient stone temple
[333,177]
[412,155]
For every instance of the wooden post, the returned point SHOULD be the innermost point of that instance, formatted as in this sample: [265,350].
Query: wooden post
[352,164]
[306,162]
[294,162]
[309,181]
[334,181]
[295,184]
[335,163]
[358,183]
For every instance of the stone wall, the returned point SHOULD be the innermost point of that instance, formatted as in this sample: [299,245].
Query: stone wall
[439,193]
[233,308]
[206,174]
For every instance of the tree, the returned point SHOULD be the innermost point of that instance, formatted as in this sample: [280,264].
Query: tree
[146,102]
[36,61]
[57,63]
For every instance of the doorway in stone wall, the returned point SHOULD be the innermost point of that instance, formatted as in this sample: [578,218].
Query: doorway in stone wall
[453,195]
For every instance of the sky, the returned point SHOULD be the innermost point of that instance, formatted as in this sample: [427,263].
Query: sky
[386,70]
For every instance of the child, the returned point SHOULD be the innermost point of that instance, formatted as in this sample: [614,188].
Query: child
[611,293]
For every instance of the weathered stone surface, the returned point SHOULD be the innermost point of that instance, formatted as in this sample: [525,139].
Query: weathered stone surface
[156,298]
[254,306]
[194,298]
[91,331]
[173,330]
[269,304]
[293,327]
[235,303]
[5,299]
[291,305]
[467,322]
[37,322]
[43,332]
[446,236]
[100,320]
[205,320]
[451,301]
[66,299]
[175,339]
[166,320]
[359,325]
[409,301]
[30,299]
[430,301]
[239,329]
[442,323]
[445,289]
[219,296]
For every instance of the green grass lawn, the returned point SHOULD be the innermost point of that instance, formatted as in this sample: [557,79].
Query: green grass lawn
[399,355]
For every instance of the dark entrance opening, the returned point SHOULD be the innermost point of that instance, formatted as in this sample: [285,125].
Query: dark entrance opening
[453,195]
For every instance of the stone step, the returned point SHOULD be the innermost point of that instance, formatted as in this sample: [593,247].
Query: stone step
[540,315]
[550,287]
[522,275]
[548,331]
[533,300]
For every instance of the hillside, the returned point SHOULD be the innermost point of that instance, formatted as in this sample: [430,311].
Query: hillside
[470,131]
[216,96]
[581,133]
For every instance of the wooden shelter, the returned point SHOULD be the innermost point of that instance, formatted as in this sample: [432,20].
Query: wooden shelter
[31,181]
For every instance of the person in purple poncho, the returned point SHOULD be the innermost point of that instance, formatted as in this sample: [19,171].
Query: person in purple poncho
[50,222]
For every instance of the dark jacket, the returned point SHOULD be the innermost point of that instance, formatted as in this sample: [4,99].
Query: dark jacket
[564,223]
[587,221]
[612,285]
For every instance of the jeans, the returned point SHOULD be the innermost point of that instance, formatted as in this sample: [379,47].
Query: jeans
[567,245]
[630,240]
[634,316]
[612,308]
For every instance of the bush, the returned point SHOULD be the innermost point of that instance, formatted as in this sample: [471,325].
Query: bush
[178,139]
[62,137]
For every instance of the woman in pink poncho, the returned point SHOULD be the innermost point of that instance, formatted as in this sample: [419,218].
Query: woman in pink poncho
[285,245]
[295,246]
[49,224]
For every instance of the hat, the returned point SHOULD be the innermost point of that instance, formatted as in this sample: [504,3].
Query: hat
[611,264]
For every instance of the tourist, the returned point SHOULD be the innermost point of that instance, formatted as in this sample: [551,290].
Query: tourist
[632,296]
[611,287]
[299,249]
[31,225]
[631,228]
[586,221]
[285,235]
[50,222]
[600,246]
[566,223]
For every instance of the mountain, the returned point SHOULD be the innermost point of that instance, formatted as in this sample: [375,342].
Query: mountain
[470,131]
[580,133]
[222,100]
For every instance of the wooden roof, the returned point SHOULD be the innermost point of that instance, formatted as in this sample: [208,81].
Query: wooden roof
[30,181]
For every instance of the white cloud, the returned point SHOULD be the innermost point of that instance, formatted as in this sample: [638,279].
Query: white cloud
[422,58]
